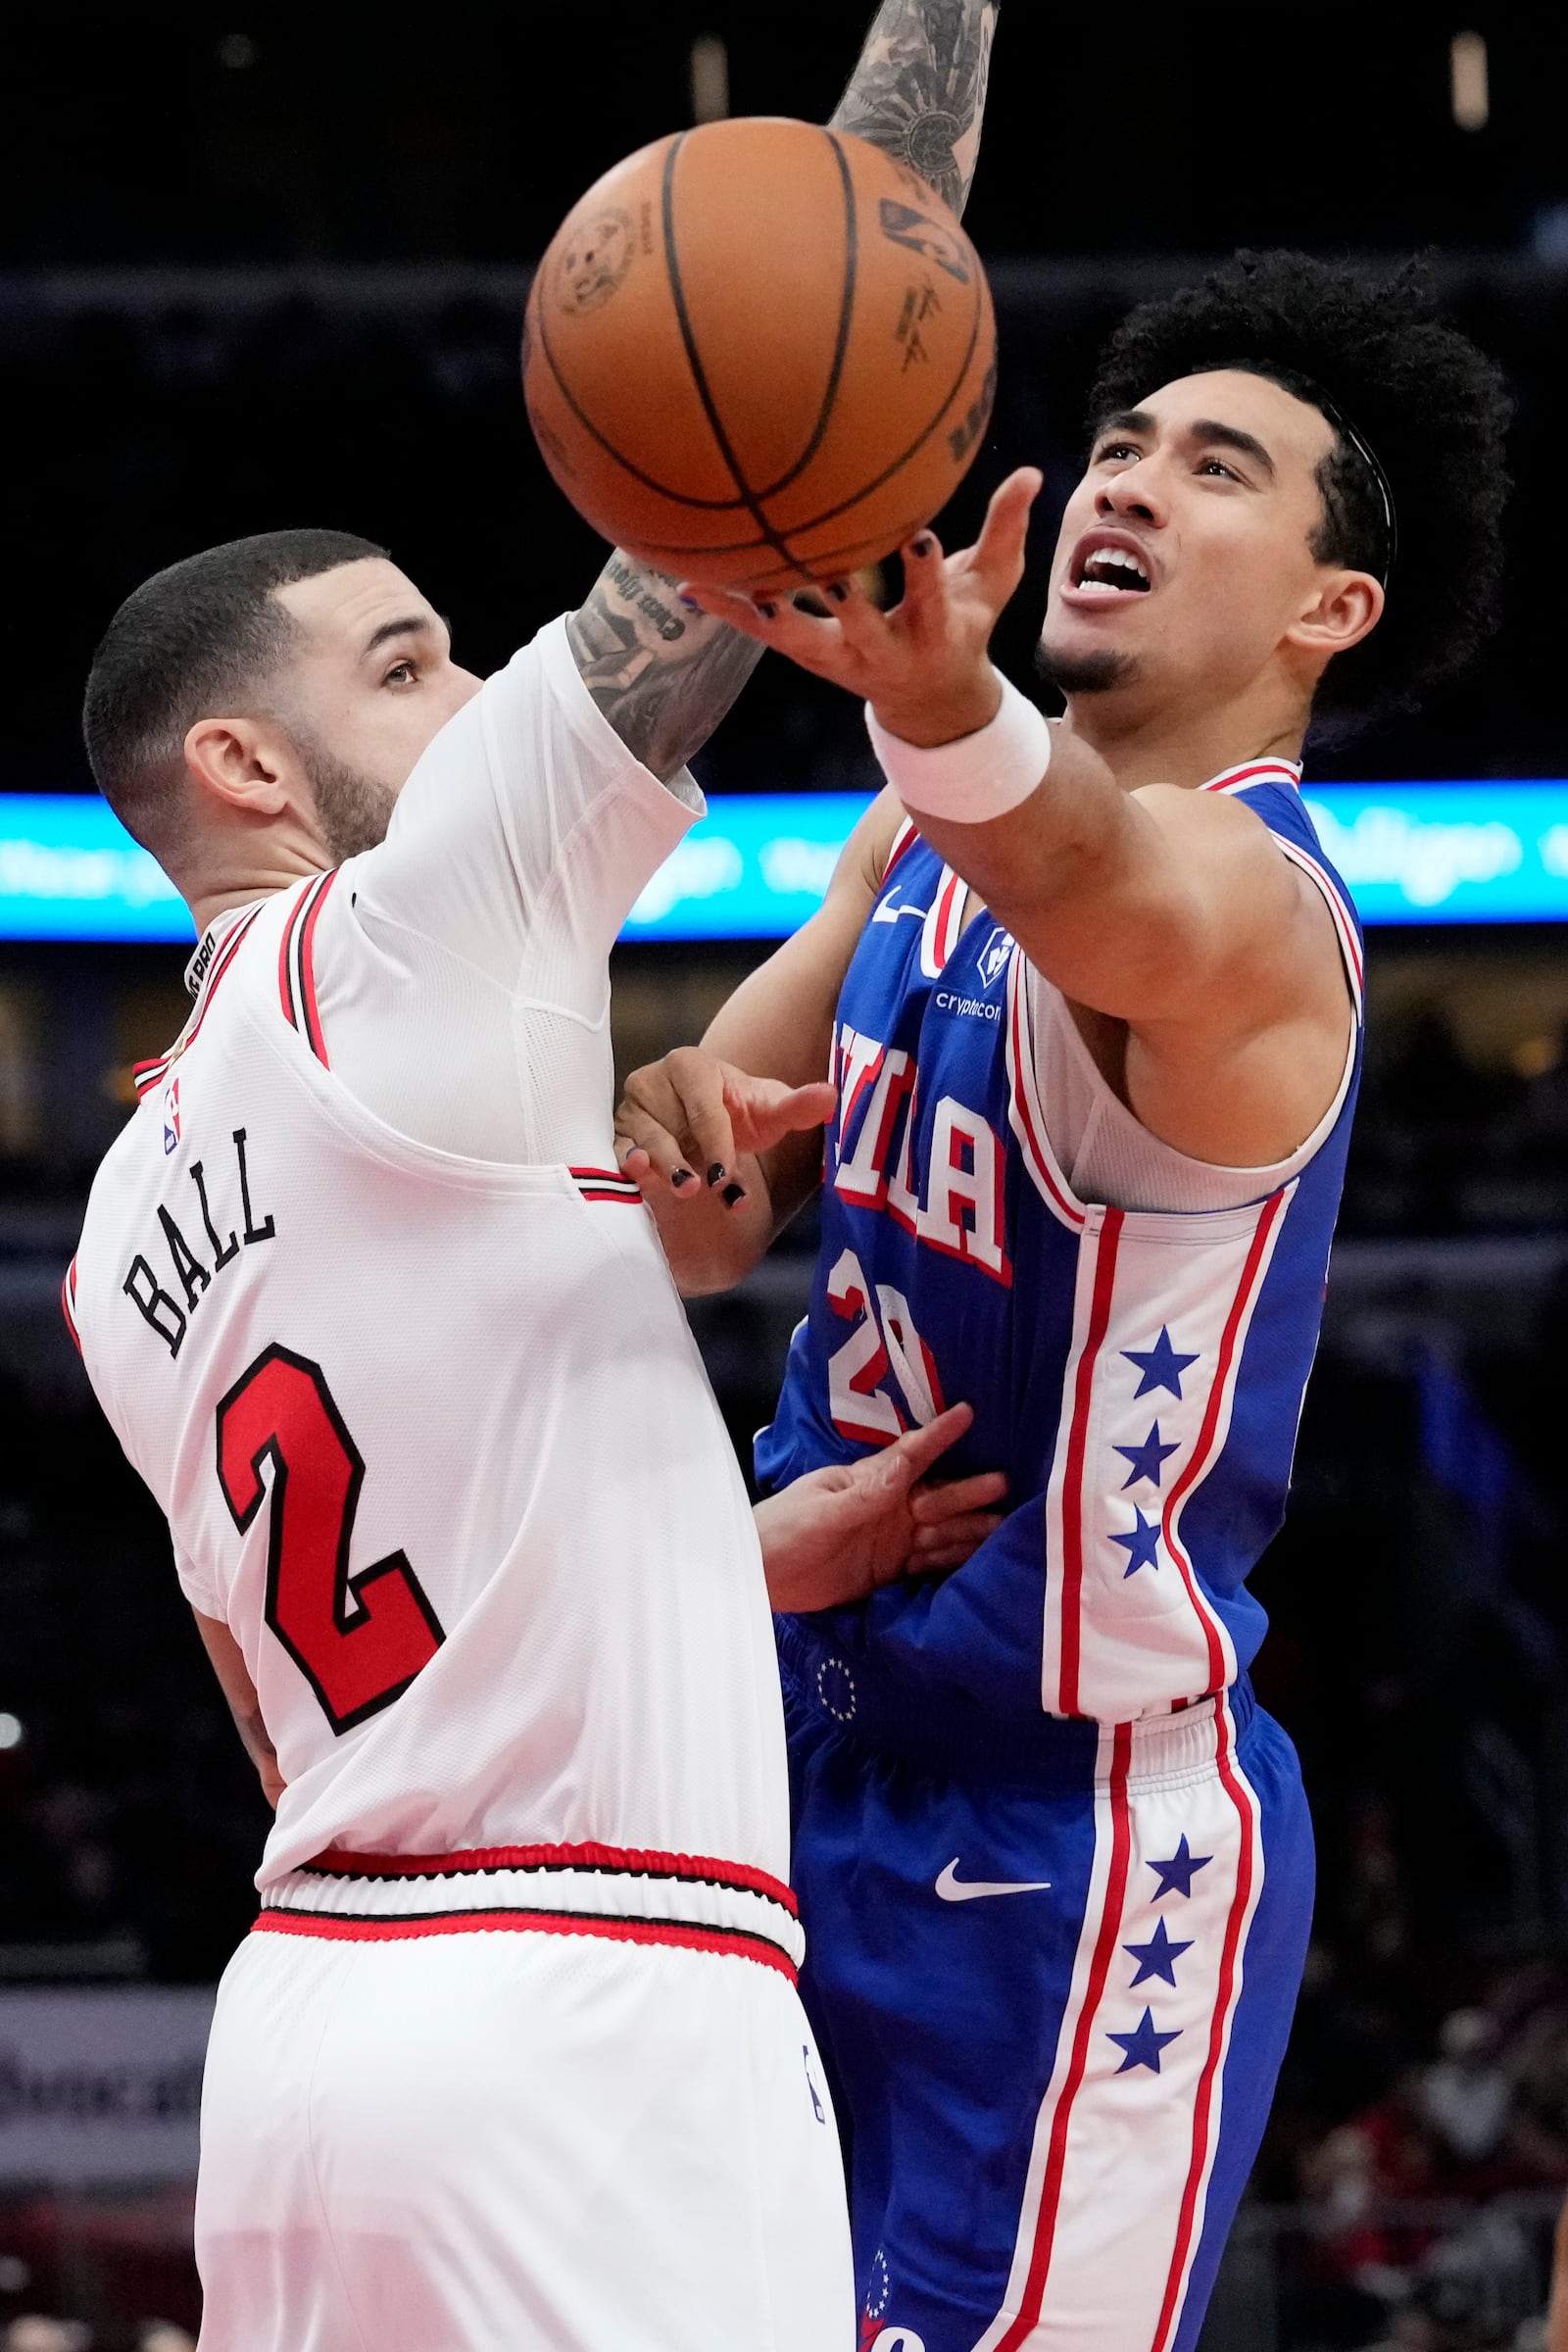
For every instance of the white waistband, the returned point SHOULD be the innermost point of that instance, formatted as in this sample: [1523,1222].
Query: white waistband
[676,1889]
[1164,1750]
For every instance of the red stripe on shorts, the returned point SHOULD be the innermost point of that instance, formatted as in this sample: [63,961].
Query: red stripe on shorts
[1218,2033]
[341,1928]
[1027,2319]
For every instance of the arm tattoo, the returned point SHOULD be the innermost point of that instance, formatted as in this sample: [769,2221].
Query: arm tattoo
[664,678]
[919,89]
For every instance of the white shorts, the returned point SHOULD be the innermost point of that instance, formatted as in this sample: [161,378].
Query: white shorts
[484,2141]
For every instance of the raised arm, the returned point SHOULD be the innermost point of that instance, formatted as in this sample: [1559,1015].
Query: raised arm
[665,678]
[745,1110]
[1169,912]
[919,89]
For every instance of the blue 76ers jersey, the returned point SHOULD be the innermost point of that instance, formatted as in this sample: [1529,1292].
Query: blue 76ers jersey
[1137,1375]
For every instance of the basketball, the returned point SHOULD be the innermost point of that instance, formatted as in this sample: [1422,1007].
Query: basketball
[759,352]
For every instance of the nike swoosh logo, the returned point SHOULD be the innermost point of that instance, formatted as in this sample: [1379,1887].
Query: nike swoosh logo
[953,1890]
[887,913]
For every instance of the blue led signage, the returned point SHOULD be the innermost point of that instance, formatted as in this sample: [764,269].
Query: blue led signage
[759,864]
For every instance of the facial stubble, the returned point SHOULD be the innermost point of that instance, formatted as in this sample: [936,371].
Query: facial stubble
[354,808]
[1093,672]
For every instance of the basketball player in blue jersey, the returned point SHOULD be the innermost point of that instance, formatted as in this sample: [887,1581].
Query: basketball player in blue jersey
[1091,999]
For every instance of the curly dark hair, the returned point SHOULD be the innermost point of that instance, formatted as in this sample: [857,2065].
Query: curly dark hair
[1433,407]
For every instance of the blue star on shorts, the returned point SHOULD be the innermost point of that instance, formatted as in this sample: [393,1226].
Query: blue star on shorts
[1158,1956]
[1160,1366]
[1146,1459]
[1142,1544]
[1176,1874]
[1144,2045]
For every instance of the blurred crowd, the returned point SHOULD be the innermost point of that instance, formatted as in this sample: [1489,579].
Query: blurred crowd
[1424,2216]
[1446,1143]
[130,1821]
[37,2331]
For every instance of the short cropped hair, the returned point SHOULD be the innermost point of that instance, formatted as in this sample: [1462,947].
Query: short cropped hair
[1431,406]
[193,642]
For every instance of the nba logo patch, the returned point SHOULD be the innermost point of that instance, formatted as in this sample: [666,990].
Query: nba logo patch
[170,1115]
[994,956]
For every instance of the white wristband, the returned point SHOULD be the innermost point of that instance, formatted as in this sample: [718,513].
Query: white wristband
[980,775]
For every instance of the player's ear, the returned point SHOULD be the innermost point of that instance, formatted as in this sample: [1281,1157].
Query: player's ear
[1344,605]
[237,762]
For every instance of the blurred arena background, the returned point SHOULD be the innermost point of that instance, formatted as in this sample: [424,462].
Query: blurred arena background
[275,276]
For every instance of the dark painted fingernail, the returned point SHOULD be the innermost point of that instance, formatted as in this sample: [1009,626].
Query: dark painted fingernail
[734,1195]
[921,546]
[838,591]
[768,611]
[716,1172]
[688,603]
[682,1176]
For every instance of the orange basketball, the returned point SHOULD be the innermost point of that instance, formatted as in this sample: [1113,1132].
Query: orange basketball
[759,352]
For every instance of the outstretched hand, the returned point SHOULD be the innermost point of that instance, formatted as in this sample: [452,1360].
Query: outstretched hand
[837,1535]
[692,1112]
[923,666]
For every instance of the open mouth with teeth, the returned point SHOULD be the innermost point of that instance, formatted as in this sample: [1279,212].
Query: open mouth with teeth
[1113,572]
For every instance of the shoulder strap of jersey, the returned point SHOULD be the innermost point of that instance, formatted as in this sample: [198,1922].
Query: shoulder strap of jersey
[296,962]
[903,839]
[145,1075]
[1275,798]
[1285,774]
[67,1303]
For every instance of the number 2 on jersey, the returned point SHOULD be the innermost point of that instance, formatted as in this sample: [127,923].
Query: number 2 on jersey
[358,1641]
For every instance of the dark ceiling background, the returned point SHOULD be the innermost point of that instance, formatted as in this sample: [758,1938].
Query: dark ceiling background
[465,131]
[260,270]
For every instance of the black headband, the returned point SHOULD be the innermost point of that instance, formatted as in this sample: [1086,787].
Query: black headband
[1368,456]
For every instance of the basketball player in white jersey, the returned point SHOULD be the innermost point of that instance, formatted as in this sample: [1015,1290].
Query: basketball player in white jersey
[514,2058]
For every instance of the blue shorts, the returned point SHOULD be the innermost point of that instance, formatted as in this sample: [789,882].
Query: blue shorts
[1052,1971]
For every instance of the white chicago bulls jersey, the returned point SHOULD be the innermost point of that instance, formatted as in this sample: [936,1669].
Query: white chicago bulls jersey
[397,1351]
